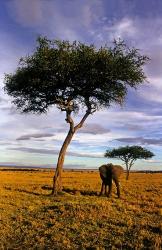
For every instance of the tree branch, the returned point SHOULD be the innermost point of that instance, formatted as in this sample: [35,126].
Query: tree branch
[131,163]
[80,124]
[70,120]
[122,158]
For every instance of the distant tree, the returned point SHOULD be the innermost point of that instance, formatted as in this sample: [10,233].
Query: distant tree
[129,155]
[74,76]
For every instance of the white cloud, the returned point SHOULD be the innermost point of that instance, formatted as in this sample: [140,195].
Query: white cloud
[153,92]
[60,21]
[122,28]
[153,161]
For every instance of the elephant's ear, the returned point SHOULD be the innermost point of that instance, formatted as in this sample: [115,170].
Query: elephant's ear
[103,170]
[104,174]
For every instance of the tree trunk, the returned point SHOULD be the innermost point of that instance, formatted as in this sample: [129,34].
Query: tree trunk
[57,181]
[127,168]
[127,176]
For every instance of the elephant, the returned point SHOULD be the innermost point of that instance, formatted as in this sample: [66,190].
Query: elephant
[109,173]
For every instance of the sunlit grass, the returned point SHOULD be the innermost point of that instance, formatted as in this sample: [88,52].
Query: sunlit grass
[79,219]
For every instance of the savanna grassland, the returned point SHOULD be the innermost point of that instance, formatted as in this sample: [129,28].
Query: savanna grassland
[30,218]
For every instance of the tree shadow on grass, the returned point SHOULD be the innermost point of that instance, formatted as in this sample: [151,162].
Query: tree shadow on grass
[73,191]
[80,192]
[86,193]
[70,191]
[30,192]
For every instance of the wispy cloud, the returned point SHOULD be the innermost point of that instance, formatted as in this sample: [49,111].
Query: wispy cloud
[153,92]
[90,128]
[54,152]
[153,161]
[94,129]
[133,127]
[142,141]
[21,165]
[121,29]
[25,13]
[63,21]
[30,136]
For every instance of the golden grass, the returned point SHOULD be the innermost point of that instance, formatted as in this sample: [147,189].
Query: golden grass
[30,218]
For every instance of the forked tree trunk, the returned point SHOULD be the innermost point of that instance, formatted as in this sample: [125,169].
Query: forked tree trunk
[57,179]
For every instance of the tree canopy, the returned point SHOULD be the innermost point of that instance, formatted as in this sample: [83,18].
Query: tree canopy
[129,155]
[73,76]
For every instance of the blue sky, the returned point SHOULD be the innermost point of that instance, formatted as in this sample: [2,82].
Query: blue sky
[35,140]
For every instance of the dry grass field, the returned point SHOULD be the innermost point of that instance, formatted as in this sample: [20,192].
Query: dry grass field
[30,218]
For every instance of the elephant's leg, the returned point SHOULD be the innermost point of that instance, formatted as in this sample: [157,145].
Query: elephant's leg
[110,188]
[102,188]
[106,189]
[117,183]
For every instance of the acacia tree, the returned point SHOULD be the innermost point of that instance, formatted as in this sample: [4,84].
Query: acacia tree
[73,76]
[129,155]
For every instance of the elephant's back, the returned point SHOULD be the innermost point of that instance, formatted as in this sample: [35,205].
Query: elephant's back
[110,170]
[117,170]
